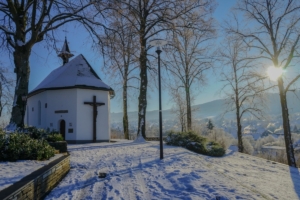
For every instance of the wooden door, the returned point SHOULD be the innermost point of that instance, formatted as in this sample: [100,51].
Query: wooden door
[62,128]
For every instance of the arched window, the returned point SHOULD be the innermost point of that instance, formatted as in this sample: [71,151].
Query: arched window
[39,113]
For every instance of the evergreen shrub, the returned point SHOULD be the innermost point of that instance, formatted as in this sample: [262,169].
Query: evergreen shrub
[36,133]
[42,134]
[195,143]
[54,137]
[20,146]
[215,150]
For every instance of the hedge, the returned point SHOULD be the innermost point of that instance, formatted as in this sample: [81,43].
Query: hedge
[195,143]
[20,146]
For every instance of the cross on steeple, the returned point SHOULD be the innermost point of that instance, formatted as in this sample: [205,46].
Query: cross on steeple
[95,113]
[65,53]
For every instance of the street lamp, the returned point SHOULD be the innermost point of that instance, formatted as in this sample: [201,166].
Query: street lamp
[24,98]
[158,43]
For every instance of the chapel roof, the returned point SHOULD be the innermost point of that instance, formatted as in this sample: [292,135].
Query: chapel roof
[77,73]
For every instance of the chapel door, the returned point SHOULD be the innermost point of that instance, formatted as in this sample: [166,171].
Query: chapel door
[62,128]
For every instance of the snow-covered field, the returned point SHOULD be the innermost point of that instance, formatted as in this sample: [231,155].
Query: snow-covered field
[134,171]
[11,172]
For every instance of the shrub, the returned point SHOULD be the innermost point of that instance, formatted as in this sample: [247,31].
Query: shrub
[215,150]
[221,137]
[248,148]
[195,143]
[183,138]
[60,146]
[54,137]
[197,147]
[36,133]
[20,146]
[42,134]
[262,141]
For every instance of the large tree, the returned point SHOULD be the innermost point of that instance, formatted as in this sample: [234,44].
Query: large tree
[243,86]
[6,84]
[119,47]
[151,19]
[272,28]
[189,54]
[179,105]
[23,23]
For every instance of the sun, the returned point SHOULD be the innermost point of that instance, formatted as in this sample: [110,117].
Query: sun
[274,73]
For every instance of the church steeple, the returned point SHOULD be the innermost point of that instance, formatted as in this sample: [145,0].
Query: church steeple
[65,53]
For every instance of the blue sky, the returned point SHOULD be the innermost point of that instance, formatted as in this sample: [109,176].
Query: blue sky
[44,59]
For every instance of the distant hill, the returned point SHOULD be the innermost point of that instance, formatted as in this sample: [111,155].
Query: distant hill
[217,107]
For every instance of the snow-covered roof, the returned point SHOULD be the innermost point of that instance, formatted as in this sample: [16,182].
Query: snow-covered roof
[250,127]
[279,131]
[77,73]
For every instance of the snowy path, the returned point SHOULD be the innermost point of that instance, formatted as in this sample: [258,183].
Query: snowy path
[135,172]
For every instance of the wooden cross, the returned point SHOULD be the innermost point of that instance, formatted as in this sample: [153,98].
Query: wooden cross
[95,113]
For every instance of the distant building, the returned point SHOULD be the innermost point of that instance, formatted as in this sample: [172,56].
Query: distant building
[279,131]
[272,150]
[275,150]
[250,129]
[73,100]
[266,133]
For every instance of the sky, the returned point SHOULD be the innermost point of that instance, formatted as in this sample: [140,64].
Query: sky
[44,59]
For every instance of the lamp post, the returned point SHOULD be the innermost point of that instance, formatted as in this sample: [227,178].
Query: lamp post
[24,98]
[158,43]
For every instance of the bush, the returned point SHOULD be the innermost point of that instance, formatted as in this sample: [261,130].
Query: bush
[60,146]
[36,133]
[183,138]
[215,150]
[221,137]
[54,137]
[42,134]
[197,147]
[248,148]
[195,143]
[20,146]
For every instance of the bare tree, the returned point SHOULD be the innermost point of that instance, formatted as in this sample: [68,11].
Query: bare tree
[151,18]
[119,48]
[6,84]
[24,23]
[243,87]
[179,107]
[189,54]
[274,32]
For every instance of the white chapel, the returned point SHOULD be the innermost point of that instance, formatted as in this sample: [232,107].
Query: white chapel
[73,100]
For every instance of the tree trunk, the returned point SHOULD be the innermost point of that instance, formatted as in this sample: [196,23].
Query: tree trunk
[22,70]
[125,115]
[143,89]
[240,137]
[286,125]
[0,98]
[239,128]
[188,108]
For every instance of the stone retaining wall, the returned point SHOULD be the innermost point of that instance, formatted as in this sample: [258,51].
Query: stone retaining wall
[38,184]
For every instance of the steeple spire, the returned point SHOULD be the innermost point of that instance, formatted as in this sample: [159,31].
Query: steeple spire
[65,53]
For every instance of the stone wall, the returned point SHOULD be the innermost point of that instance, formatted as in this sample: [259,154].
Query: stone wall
[38,184]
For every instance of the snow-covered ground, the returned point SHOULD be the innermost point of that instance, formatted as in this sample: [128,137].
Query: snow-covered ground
[11,172]
[134,171]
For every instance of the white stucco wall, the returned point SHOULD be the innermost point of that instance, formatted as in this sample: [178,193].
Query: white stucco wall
[56,100]
[79,116]
[85,114]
